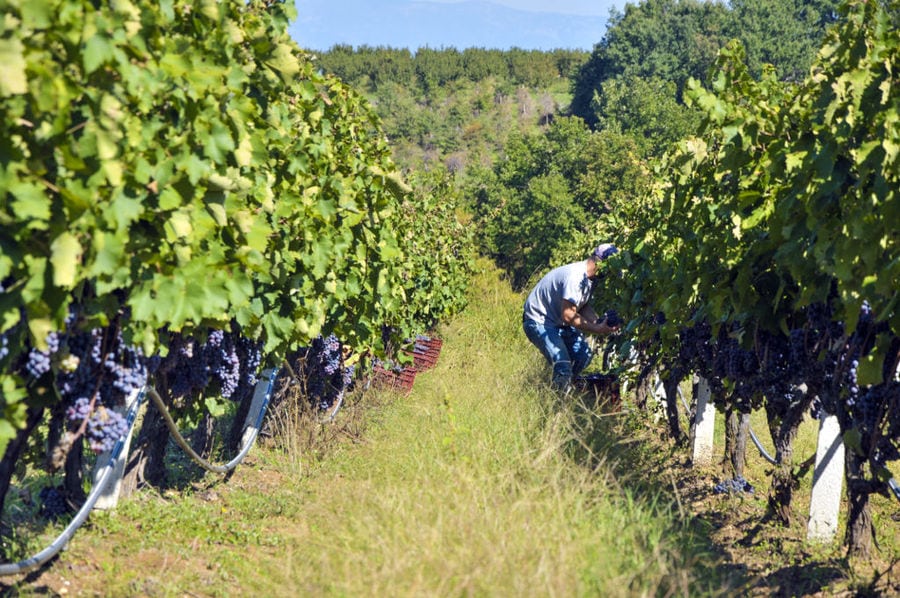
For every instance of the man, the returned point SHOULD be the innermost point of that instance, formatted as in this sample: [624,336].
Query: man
[557,312]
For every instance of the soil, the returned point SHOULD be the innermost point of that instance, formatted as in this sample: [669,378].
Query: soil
[771,559]
[760,557]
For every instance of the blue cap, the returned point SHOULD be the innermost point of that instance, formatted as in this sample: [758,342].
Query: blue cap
[604,251]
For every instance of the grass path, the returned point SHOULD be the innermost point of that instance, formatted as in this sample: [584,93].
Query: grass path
[473,485]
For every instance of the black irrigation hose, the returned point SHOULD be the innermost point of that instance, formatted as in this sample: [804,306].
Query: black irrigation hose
[759,446]
[60,542]
[179,439]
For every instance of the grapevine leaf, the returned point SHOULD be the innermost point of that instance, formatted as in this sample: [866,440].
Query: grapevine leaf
[284,61]
[869,370]
[215,407]
[169,199]
[108,253]
[97,49]
[31,202]
[40,328]
[12,68]
[218,143]
[65,257]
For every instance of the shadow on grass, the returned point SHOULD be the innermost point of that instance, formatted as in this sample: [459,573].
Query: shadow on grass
[606,435]
[726,541]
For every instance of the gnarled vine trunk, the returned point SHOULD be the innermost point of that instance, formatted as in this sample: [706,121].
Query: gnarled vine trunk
[670,386]
[860,531]
[781,491]
[15,448]
[644,387]
[736,426]
[146,459]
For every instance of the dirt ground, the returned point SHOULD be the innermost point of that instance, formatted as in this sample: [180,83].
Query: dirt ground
[775,560]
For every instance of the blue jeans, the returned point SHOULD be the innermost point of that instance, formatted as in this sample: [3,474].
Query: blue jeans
[566,350]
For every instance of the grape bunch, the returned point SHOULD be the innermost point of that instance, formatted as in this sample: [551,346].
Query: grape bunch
[53,503]
[38,362]
[734,485]
[184,369]
[227,363]
[222,362]
[105,427]
[326,377]
[613,319]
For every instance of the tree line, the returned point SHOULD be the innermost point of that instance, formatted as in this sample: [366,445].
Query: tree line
[427,69]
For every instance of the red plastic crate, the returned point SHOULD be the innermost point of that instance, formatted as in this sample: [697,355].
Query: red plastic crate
[401,380]
[604,389]
[425,352]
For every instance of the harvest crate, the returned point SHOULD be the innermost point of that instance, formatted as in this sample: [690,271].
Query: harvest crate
[400,380]
[425,352]
[603,389]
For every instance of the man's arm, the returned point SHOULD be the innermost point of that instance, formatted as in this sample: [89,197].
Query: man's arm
[588,322]
[588,312]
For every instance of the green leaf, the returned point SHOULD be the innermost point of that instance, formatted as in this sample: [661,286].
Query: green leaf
[97,50]
[215,407]
[65,258]
[169,199]
[869,370]
[126,210]
[195,167]
[31,202]
[284,62]
[178,225]
[40,328]
[37,14]
[12,68]
[109,252]
[217,211]
[218,143]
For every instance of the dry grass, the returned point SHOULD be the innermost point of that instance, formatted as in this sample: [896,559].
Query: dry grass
[479,483]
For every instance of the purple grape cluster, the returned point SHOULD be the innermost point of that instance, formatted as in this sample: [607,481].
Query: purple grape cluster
[227,363]
[93,370]
[53,503]
[613,318]
[733,486]
[327,379]
[810,363]
[4,346]
[105,428]
[79,410]
[38,362]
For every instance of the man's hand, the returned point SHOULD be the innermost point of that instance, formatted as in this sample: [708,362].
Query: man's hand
[583,322]
[605,328]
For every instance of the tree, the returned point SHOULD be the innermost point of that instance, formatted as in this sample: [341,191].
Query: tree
[646,109]
[672,40]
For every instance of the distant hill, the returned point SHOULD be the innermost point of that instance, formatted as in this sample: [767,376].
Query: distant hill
[476,24]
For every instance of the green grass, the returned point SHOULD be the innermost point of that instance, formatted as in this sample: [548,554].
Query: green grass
[477,483]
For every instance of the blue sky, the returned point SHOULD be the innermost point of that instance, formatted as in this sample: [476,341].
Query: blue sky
[571,7]
[502,24]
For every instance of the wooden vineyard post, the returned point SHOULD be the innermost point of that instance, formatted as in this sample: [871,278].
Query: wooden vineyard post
[109,498]
[828,480]
[702,454]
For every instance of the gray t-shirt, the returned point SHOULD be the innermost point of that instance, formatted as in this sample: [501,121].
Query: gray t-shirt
[570,282]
